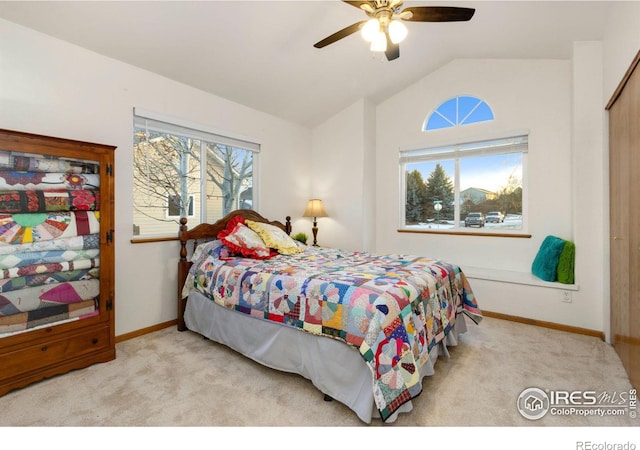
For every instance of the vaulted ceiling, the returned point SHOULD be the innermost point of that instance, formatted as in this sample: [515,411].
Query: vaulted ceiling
[261,54]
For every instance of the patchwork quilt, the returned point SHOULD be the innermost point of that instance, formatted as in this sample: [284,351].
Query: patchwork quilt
[24,321]
[41,297]
[39,163]
[10,264]
[34,227]
[84,242]
[49,201]
[393,308]
[22,181]
[51,276]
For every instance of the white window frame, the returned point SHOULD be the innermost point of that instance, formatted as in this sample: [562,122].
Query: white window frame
[517,142]
[157,122]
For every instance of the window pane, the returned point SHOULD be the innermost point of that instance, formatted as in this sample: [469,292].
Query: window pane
[474,184]
[430,194]
[436,121]
[166,166]
[492,185]
[481,114]
[462,110]
[228,181]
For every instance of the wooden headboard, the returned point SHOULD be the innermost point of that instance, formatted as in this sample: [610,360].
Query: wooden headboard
[207,232]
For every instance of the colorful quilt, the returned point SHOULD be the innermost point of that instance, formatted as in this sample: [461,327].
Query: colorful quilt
[393,308]
[13,202]
[10,264]
[40,278]
[54,314]
[39,163]
[48,268]
[24,181]
[34,227]
[85,242]
[42,297]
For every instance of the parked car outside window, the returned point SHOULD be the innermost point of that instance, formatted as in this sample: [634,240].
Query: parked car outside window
[474,219]
[494,217]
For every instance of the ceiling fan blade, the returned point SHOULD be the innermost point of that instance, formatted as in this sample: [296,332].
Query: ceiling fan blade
[393,50]
[340,34]
[439,14]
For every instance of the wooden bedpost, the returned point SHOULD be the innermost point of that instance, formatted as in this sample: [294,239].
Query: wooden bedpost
[183,269]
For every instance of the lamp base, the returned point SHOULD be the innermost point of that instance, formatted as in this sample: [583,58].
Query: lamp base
[314,229]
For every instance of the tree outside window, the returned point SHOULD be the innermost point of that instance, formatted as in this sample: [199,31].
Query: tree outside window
[195,177]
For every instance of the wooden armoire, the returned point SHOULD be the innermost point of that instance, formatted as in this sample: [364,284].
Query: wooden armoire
[56,257]
[624,217]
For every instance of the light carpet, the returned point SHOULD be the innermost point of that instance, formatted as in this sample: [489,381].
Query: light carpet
[178,379]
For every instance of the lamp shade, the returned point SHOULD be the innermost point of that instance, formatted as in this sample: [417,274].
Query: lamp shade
[379,42]
[315,209]
[370,29]
[397,31]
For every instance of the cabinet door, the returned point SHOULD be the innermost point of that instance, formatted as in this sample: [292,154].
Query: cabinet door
[56,239]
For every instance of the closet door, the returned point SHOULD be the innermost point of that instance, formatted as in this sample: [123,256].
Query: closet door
[624,176]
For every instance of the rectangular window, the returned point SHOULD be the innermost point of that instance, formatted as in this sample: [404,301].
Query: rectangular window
[184,170]
[464,187]
[174,206]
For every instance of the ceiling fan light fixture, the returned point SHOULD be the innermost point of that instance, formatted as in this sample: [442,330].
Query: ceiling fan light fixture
[383,27]
[379,43]
[370,30]
[397,31]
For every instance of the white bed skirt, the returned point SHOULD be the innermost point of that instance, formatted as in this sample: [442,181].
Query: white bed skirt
[335,368]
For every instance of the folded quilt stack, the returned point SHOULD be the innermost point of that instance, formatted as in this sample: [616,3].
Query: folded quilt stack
[49,255]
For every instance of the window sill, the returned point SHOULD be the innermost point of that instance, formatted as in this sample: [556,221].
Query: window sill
[465,233]
[153,239]
[514,277]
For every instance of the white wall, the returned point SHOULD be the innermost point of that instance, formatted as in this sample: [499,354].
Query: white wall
[50,87]
[342,176]
[538,97]
[590,185]
[525,96]
[621,43]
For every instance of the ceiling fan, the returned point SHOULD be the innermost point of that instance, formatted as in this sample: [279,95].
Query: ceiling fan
[384,28]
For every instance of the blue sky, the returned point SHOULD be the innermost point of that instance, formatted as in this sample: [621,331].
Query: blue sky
[486,172]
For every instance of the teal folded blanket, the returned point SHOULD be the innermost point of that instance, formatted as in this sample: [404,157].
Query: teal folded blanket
[555,260]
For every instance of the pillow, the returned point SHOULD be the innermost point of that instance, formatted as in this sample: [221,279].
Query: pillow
[566,263]
[207,248]
[275,238]
[545,264]
[241,239]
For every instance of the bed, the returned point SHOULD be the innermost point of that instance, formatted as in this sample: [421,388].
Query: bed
[364,328]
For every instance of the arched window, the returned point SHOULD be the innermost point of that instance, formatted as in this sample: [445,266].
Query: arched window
[461,110]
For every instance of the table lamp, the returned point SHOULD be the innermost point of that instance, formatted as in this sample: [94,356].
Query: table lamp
[315,210]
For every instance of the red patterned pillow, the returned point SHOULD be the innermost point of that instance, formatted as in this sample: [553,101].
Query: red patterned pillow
[241,239]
